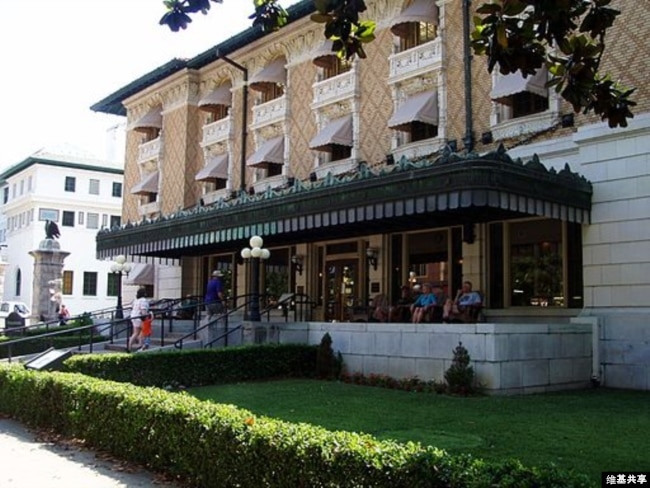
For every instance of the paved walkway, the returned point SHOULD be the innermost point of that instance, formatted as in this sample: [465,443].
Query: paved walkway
[29,461]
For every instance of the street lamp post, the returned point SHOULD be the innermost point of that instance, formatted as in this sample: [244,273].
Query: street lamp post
[255,253]
[120,267]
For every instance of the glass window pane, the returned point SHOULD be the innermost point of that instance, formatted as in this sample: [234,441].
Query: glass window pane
[90,283]
[66,288]
[536,273]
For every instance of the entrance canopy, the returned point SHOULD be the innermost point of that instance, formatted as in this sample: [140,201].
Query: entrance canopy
[447,191]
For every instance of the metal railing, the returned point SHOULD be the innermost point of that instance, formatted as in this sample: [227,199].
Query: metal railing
[106,325]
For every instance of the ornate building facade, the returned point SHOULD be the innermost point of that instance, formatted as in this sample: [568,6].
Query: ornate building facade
[367,175]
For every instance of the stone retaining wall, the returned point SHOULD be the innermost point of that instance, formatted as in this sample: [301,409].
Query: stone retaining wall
[507,358]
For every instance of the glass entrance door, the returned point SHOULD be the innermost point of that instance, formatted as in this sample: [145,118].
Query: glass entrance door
[341,289]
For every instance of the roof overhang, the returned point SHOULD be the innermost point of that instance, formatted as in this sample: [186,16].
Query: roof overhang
[451,190]
[114,103]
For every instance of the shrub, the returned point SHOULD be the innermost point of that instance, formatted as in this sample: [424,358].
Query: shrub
[460,375]
[328,366]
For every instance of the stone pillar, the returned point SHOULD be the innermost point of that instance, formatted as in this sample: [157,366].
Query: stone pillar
[48,266]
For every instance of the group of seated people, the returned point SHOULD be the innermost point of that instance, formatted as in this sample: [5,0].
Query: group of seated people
[429,305]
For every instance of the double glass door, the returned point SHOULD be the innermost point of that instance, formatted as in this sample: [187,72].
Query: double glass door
[341,289]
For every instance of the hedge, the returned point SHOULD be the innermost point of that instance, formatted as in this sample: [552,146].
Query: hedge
[212,445]
[198,367]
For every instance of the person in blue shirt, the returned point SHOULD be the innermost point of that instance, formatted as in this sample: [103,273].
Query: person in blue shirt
[424,302]
[214,294]
[460,309]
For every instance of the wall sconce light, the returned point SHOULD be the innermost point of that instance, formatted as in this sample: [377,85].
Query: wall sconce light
[567,120]
[486,137]
[390,159]
[372,253]
[297,260]
[313,177]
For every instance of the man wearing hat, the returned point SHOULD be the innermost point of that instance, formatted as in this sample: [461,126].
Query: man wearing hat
[214,294]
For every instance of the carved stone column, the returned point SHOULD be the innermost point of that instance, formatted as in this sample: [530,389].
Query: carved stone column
[48,266]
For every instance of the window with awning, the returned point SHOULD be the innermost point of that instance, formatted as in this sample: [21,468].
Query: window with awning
[416,24]
[217,102]
[523,95]
[215,169]
[338,132]
[147,185]
[270,81]
[421,107]
[508,85]
[149,124]
[269,153]
[331,64]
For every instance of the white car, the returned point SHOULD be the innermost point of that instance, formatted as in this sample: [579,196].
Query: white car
[7,307]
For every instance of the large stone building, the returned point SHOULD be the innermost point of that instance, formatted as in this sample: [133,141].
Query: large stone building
[392,169]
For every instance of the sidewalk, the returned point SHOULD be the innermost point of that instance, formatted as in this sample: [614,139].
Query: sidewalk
[29,461]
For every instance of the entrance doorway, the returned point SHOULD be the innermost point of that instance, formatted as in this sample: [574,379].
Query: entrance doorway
[341,289]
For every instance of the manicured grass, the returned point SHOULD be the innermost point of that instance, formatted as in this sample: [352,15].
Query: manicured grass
[588,431]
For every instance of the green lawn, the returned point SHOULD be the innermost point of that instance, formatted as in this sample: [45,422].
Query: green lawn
[589,431]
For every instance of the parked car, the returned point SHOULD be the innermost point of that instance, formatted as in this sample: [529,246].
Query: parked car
[7,307]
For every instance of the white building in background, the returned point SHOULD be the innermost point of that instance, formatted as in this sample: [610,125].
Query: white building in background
[82,195]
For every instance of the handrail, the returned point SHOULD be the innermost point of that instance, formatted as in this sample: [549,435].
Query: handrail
[95,330]
[293,302]
[101,313]
[179,342]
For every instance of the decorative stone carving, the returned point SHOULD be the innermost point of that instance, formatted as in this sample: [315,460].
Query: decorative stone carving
[415,61]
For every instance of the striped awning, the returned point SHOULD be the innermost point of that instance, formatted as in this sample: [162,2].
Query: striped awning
[473,190]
